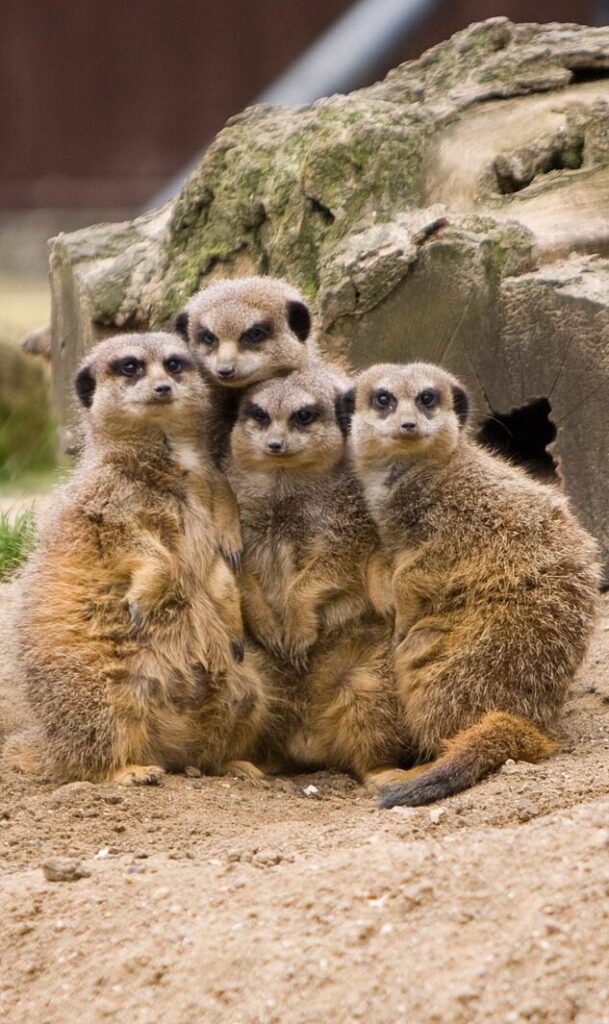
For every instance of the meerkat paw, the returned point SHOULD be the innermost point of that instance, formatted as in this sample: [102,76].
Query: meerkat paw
[297,646]
[245,770]
[230,545]
[138,775]
[271,639]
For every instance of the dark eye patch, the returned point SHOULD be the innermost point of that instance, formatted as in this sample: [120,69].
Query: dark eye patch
[177,364]
[257,413]
[128,366]
[256,334]
[206,337]
[304,416]
[383,400]
[429,398]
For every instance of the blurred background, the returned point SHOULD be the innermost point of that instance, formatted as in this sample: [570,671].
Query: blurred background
[105,104]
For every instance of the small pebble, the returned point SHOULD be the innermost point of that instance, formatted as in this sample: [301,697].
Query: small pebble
[267,858]
[192,772]
[406,812]
[64,869]
[527,811]
[311,791]
[436,813]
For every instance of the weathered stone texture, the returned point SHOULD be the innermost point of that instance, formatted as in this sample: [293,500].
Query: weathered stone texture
[429,216]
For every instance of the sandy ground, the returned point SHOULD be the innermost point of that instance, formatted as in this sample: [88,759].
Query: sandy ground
[209,900]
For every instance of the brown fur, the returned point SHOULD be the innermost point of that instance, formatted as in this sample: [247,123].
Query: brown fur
[494,583]
[307,542]
[128,624]
[217,324]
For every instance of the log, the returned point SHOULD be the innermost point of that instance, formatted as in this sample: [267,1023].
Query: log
[457,211]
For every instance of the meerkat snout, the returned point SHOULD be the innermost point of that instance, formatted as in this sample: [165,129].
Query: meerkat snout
[162,392]
[226,372]
[276,445]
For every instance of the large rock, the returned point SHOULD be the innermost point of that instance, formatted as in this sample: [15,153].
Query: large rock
[429,216]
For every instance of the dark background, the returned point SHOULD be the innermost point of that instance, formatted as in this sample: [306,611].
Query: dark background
[103,101]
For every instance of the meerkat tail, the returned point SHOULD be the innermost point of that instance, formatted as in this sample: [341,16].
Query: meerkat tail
[470,755]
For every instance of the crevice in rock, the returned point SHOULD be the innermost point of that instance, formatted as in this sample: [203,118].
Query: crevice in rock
[318,207]
[522,436]
[514,171]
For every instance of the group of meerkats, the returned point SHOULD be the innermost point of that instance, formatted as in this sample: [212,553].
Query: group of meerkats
[259,565]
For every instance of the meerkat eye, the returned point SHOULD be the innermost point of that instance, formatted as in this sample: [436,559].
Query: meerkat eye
[428,398]
[308,414]
[256,412]
[176,365]
[255,334]
[383,399]
[128,367]
[207,337]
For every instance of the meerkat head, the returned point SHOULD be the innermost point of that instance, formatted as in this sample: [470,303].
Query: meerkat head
[247,330]
[411,411]
[135,381]
[289,424]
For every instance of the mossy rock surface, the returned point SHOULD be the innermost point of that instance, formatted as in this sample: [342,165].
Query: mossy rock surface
[405,212]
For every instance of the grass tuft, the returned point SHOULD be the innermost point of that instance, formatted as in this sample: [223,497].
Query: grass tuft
[16,539]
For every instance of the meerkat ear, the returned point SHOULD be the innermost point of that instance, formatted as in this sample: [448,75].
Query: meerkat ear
[85,385]
[344,405]
[460,404]
[299,319]
[180,325]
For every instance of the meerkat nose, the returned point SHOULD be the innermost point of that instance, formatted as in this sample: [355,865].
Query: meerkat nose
[162,388]
[275,446]
[226,371]
[408,426]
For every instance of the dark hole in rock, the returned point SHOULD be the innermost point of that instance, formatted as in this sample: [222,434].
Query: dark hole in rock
[324,212]
[588,74]
[522,437]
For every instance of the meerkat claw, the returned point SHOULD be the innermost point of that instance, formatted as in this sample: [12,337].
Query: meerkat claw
[299,658]
[233,559]
[237,650]
[136,615]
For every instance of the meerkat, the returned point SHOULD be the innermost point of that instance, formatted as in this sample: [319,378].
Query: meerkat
[308,539]
[246,331]
[128,626]
[242,332]
[493,581]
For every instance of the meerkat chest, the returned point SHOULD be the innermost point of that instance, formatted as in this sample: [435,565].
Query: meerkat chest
[187,457]
[272,557]
[198,541]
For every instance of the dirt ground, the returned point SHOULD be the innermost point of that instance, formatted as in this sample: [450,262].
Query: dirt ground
[209,900]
